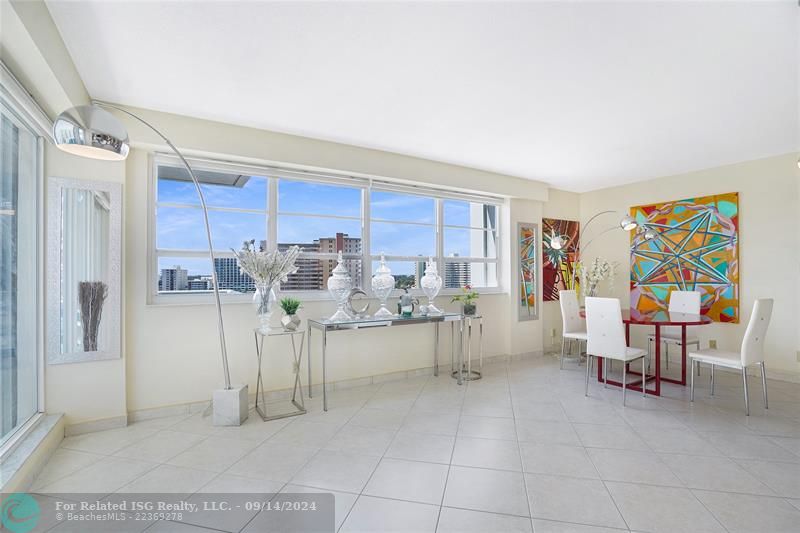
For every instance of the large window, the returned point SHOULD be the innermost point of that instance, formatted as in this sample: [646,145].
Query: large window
[322,215]
[19,350]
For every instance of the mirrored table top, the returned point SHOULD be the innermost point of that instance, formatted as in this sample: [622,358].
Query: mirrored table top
[373,321]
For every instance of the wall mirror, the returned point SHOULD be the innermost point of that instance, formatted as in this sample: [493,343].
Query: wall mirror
[84,233]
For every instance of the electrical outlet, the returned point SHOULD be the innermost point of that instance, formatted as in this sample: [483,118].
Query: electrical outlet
[798,356]
[712,344]
[553,335]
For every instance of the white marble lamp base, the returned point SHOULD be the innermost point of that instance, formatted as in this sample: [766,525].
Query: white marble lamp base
[230,406]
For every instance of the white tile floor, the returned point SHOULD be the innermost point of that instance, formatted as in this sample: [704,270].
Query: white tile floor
[520,450]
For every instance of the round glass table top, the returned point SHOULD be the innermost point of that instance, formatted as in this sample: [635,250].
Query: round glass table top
[663,318]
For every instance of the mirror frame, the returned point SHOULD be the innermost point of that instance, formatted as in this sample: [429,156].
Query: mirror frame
[112,309]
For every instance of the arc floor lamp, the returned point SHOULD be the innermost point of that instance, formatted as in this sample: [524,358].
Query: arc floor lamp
[91,131]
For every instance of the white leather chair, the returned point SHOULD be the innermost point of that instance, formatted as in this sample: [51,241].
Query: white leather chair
[752,352]
[606,339]
[573,326]
[679,302]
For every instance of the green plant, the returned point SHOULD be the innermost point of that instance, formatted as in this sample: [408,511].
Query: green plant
[290,305]
[468,296]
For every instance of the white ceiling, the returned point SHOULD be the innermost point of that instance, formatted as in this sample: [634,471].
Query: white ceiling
[578,95]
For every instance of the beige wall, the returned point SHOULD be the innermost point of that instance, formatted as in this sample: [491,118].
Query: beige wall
[768,233]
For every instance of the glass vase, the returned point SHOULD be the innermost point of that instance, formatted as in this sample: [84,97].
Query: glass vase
[382,286]
[431,284]
[339,285]
[264,302]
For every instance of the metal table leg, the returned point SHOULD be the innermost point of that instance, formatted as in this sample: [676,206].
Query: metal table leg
[259,379]
[308,361]
[324,365]
[436,350]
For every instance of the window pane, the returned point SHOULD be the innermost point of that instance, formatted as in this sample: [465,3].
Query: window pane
[477,275]
[312,274]
[315,234]
[220,189]
[184,229]
[18,275]
[184,274]
[393,238]
[318,199]
[406,273]
[402,207]
[470,243]
[459,213]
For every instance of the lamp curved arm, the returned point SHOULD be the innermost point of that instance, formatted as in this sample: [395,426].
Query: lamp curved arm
[221,327]
[585,246]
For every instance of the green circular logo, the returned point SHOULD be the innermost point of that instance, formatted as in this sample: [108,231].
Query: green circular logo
[20,513]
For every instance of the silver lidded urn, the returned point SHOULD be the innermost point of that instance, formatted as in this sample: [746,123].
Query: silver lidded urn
[339,285]
[382,286]
[431,284]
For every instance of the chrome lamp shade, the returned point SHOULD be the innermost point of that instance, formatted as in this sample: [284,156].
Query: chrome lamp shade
[90,131]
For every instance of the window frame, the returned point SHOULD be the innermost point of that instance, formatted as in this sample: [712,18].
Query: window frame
[27,111]
[273,175]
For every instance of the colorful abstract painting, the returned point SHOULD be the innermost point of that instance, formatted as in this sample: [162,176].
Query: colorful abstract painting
[558,265]
[527,246]
[696,249]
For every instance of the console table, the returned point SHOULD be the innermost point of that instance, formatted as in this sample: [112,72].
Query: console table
[324,326]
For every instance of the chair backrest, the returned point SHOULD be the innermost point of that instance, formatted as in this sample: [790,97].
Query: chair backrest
[571,320]
[753,342]
[684,302]
[604,328]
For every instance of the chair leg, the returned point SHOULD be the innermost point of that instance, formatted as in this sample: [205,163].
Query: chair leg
[649,352]
[606,362]
[563,343]
[712,379]
[764,385]
[746,395]
[698,349]
[691,381]
[624,382]
[644,381]
[666,353]
[588,358]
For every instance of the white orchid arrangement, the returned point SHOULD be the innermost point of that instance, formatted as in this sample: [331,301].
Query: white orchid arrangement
[267,268]
[597,271]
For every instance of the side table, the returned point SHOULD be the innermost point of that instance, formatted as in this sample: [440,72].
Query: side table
[278,332]
[463,371]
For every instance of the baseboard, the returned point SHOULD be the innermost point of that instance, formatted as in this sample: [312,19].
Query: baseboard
[91,426]
[27,460]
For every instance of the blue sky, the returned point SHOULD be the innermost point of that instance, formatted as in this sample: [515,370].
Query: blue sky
[181,228]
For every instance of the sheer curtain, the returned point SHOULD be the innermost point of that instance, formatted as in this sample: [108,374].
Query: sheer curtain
[18,273]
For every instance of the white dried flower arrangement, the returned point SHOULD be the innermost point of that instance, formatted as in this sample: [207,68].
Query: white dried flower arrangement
[267,268]
[598,270]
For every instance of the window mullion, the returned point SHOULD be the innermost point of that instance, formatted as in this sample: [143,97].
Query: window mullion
[272,213]
[440,237]
[366,249]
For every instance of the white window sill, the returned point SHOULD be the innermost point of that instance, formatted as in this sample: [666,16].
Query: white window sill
[179,300]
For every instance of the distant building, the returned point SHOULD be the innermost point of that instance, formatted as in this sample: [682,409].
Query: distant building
[200,284]
[456,274]
[347,245]
[173,279]
[230,277]
[309,270]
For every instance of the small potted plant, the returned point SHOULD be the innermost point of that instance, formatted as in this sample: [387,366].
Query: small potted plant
[467,299]
[290,320]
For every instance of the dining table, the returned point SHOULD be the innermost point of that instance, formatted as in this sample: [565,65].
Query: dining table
[656,319]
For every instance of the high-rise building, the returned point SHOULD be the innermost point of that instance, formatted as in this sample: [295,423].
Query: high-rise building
[230,277]
[173,279]
[456,274]
[347,245]
[309,270]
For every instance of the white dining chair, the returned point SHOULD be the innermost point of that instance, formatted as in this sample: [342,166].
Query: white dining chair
[606,339]
[679,302]
[751,353]
[573,326]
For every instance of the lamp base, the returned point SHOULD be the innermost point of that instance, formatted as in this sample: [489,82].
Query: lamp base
[230,406]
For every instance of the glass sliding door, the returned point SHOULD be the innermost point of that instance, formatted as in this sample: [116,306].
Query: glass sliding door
[19,360]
